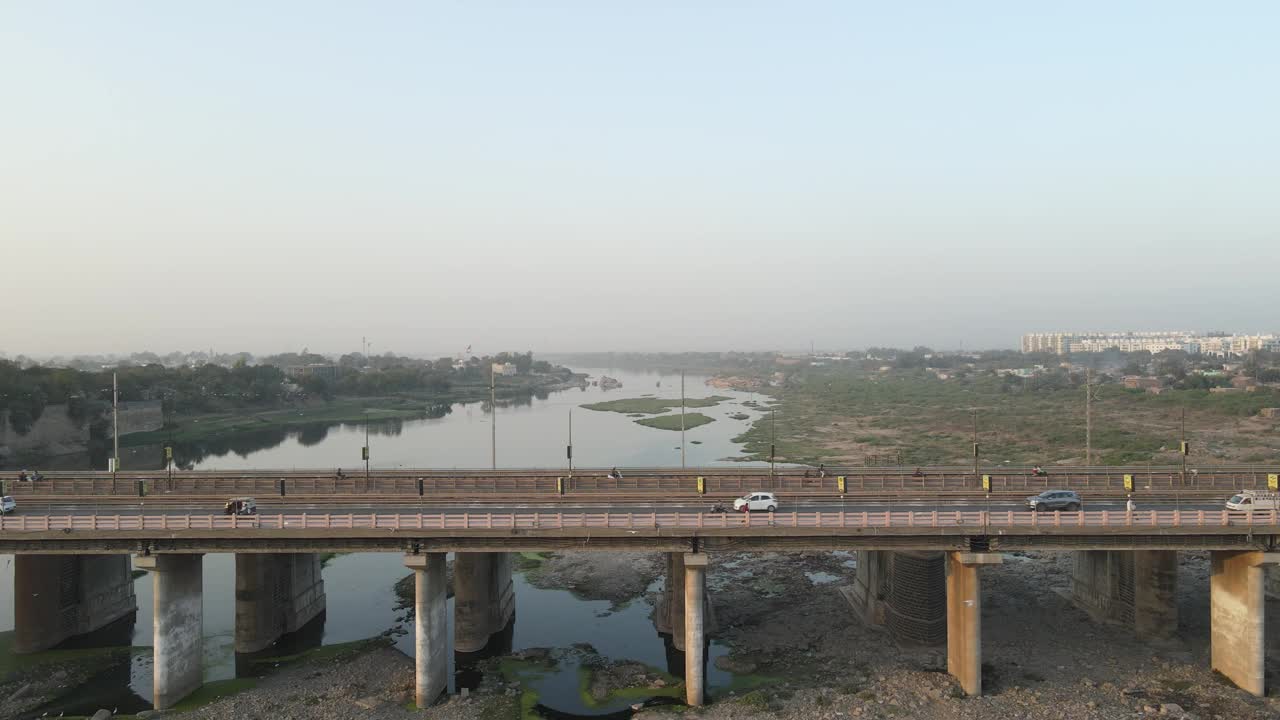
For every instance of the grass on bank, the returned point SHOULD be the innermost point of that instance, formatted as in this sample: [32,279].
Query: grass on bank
[653,406]
[672,422]
[848,416]
[339,411]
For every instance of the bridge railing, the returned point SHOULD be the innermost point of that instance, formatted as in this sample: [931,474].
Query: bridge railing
[542,483]
[978,521]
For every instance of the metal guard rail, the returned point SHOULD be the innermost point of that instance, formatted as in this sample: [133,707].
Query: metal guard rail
[995,520]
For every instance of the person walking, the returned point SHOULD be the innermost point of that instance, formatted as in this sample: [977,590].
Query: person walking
[1129,505]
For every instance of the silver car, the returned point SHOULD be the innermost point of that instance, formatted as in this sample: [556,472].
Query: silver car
[1055,500]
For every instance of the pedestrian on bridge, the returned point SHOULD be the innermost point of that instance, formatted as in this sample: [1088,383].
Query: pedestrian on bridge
[1130,505]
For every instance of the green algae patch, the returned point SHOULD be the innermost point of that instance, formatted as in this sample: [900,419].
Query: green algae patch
[653,406]
[672,422]
[525,671]
[587,676]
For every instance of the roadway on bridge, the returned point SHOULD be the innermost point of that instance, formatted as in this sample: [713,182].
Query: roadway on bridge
[273,507]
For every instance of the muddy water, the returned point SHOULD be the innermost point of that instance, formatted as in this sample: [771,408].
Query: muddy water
[361,602]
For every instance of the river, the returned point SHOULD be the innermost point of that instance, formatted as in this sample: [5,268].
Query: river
[361,602]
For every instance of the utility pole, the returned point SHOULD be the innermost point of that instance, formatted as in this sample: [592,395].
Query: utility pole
[569,450]
[975,443]
[682,419]
[1088,417]
[115,427]
[773,440]
[366,449]
[493,421]
[1182,445]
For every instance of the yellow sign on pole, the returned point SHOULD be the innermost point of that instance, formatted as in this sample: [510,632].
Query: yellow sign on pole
[702,485]
[986,483]
[559,486]
[840,483]
[1128,482]
[1273,481]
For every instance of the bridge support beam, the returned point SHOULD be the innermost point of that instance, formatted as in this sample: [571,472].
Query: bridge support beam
[1134,588]
[58,597]
[483,598]
[695,579]
[1237,611]
[276,593]
[964,617]
[178,639]
[430,627]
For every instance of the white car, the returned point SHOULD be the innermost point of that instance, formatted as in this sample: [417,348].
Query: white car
[7,505]
[756,501]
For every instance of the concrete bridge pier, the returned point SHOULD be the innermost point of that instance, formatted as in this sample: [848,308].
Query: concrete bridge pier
[430,627]
[695,583]
[483,598]
[178,640]
[1237,610]
[276,593]
[1135,588]
[964,617]
[58,597]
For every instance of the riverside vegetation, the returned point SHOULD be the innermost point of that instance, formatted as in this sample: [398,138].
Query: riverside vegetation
[883,411]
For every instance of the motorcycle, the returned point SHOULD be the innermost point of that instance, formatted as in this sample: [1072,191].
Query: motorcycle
[719,508]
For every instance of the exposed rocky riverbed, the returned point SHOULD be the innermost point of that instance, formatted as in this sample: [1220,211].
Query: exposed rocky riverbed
[799,652]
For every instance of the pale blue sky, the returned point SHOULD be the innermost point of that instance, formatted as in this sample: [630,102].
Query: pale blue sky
[610,175]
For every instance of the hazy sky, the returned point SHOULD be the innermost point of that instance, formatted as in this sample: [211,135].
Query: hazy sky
[632,175]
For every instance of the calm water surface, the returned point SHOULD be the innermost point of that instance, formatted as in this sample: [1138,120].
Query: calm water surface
[359,587]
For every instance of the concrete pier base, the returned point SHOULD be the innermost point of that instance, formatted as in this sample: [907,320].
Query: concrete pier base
[964,617]
[1237,610]
[483,598]
[275,594]
[58,597]
[430,627]
[1133,588]
[695,579]
[178,639]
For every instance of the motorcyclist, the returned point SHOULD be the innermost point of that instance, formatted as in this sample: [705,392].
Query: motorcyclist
[1038,471]
[614,474]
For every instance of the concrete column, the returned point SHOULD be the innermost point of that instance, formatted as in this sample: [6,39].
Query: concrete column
[178,641]
[430,627]
[276,593]
[668,617]
[695,577]
[1155,593]
[964,617]
[483,598]
[1133,588]
[1237,613]
[58,597]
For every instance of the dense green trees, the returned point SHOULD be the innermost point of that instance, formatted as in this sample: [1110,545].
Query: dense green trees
[26,391]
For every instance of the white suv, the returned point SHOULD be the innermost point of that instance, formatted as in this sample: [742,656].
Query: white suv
[7,505]
[756,501]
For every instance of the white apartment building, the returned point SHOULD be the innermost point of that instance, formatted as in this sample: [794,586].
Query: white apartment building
[1064,343]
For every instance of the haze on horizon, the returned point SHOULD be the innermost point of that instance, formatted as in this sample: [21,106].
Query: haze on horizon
[643,176]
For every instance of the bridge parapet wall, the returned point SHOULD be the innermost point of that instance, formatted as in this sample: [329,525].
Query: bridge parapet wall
[551,482]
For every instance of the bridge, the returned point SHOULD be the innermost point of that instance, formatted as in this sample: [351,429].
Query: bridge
[921,538]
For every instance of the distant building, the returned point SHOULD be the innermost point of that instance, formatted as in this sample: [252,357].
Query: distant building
[320,370]
[1272,413]
[504,368]
[1137,382]
[1063,343]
